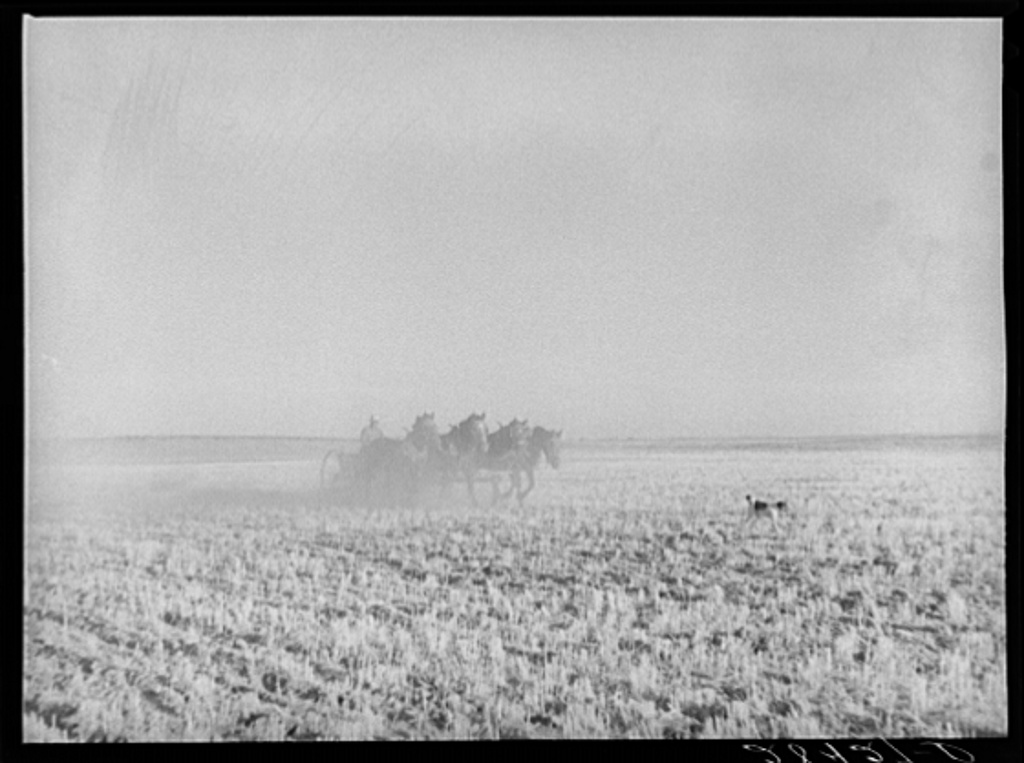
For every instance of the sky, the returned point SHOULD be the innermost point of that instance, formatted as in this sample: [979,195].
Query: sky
[619,228]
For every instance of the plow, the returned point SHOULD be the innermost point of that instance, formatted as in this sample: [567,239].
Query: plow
[348,479]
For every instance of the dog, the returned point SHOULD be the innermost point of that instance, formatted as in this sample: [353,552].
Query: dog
[770,509]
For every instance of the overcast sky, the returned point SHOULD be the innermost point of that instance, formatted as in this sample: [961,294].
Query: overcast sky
[633,228]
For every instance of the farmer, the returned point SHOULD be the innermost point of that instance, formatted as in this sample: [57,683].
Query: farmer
[370,432]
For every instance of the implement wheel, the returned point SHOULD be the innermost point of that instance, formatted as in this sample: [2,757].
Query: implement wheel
[335,476]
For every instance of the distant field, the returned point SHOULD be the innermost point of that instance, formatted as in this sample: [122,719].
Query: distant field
[193,588]
[184,450]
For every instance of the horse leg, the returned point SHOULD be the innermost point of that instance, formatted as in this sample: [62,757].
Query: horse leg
[513,483]
[401,483]
[407,489]
[522,495]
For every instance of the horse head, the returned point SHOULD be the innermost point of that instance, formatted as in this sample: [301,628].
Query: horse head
[549,442]
[473,434]
[520,431]
[424,432]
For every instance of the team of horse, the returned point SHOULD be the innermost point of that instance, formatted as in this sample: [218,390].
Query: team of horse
[398,469]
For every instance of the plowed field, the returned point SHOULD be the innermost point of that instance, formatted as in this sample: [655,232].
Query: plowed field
[172,598]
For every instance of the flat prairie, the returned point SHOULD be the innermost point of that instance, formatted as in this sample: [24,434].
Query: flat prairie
[199,588]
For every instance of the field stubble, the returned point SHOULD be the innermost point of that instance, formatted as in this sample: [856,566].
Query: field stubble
[219,601]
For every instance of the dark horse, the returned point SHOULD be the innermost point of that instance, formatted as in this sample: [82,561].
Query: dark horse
[506,448]
[541,441]
[463,448]
[400,465]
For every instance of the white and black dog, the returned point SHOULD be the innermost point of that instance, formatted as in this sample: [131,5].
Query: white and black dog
[770,509]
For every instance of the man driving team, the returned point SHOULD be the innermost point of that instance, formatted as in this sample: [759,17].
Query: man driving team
[370,432]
